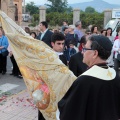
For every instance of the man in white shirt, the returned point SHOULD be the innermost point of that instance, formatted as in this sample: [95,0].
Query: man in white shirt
[57,42]
[45,34]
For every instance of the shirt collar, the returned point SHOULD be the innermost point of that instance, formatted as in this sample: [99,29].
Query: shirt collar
[59,53]
[103,65]
[45,31]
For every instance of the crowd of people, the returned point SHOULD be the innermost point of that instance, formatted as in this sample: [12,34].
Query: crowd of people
[79,51]
[75,39]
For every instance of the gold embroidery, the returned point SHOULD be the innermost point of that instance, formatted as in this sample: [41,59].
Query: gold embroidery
[109,74]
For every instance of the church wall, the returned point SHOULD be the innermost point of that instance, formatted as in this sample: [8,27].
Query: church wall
[8,6]
[4,6]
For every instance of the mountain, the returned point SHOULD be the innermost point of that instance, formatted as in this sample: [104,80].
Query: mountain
[98,5]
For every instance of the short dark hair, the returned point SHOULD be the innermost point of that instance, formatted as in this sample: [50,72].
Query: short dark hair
[103,30]
[65,28]
[27,30]
[65,21]
[57,37]
[102,44]
[44,23]
[83,39]
[72,42]
[87,31]
[34,34]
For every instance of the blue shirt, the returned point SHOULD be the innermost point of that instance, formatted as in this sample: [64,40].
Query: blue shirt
[4,43]
[79,33]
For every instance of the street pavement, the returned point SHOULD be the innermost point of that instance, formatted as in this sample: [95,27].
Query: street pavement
[15,102]
[15,85]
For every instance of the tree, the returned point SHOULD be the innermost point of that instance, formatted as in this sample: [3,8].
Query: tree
[89,10]
[55,18]
[92,19]
[69,9]
[57,5]
[32,8]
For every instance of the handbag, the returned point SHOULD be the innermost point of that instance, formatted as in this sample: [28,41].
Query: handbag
[5,53]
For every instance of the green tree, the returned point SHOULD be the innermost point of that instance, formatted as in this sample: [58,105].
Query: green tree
[69,9]
[89,10]
[92,19]
[57,5]
[32,8]
[35,20]
[55,18]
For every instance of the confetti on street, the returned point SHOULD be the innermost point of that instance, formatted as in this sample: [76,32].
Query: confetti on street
[19,106]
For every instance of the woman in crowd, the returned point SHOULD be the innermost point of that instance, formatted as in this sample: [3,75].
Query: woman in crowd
[3,52]
[109,34]
[94,30]
[33,34]
[103,32]
[111,38]
[116,48]
[27,30]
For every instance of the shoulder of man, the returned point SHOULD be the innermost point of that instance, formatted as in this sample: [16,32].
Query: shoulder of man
[49,32]
[38,36]
[63,59]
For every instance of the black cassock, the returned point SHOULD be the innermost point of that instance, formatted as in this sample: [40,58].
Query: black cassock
[91,98]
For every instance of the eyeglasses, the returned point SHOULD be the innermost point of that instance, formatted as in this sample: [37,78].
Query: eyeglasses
[85,49]
[88,33]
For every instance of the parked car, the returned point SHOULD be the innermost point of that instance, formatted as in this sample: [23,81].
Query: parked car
[114,24]
[25,17]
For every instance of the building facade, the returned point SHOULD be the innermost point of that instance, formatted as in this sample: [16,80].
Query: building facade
[13,8]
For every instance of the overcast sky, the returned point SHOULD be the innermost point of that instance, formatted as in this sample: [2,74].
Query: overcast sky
[41,2]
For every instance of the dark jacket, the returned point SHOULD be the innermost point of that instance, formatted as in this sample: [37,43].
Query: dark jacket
[69,52]
[63,59]
[91,98]
[76,65]
[71,37]
[46,38]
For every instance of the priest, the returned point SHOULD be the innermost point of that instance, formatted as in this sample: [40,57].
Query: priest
[95,95]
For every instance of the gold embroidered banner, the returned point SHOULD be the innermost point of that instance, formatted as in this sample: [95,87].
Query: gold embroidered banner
[46,77]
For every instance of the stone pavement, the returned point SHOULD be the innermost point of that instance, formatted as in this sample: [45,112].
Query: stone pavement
[14,98]
[18,107]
